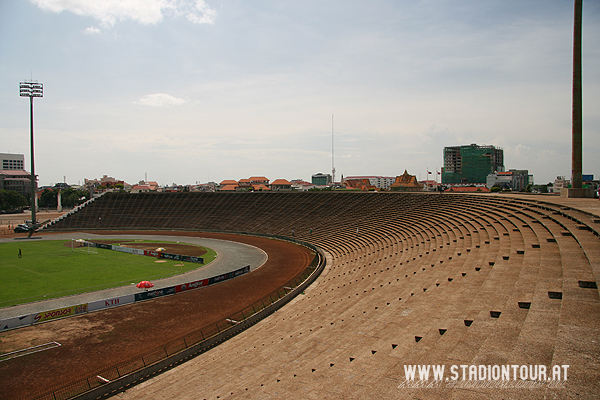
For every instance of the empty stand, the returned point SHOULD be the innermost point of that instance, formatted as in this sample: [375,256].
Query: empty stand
[411,279]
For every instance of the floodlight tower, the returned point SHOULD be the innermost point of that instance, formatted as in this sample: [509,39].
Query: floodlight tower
[332,161]
[32,89]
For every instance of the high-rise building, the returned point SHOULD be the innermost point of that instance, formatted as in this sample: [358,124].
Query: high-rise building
[12,161]
[13,175]
[321,179]
[471,163]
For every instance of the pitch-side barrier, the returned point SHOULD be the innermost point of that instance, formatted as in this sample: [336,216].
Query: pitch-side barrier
[70,311]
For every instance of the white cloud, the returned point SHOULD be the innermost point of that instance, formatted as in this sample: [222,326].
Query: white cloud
[160,100]
[91,31]
[522,151]
[108,12]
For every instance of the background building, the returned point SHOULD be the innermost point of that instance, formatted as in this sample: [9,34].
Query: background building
[299,184]
[471,163]
[281,184]
[358,183]
[321,179]
[17,180]
[12,161]
[560,183]
[429,185]
[380,182]
[514,179]
[13,175]
[406,183]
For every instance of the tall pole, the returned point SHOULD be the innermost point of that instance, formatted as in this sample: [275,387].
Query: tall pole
[33,185]
[332,161]
[32,89]
[576,149]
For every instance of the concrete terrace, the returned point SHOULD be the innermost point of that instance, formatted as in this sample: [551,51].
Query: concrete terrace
[411,279]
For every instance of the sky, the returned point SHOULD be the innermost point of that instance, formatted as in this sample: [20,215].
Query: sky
[186,91]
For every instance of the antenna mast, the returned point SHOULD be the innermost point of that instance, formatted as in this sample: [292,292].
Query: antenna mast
[332,159]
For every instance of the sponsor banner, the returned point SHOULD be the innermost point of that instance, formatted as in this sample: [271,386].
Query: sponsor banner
[219,278]
[192,259]
[151,253]
[59,313]
[169,256]
[154,293]
[241,271]
[191,285]
[212,280]
[15,322]
[116,301]
[129,250]
[229,275]
[103,246]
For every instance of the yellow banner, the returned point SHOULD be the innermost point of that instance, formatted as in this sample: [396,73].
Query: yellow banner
[59,313]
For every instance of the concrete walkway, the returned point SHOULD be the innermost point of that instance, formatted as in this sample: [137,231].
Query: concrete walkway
[591,206]
[230,256]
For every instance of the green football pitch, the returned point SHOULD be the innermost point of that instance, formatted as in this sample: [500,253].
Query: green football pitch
[49,269]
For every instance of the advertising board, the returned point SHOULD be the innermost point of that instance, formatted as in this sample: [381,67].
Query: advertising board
[154,293]
[169,256]
[191,285]
[193,259]
[15,322]
[59,313]
[129,250]
[108,303]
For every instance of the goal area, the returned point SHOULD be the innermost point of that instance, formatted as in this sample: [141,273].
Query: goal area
[83,246]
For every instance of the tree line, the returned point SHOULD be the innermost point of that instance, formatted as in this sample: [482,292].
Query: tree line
[69,197]
[11,200]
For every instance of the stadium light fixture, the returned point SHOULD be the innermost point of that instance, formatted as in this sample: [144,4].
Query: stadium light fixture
[32,89]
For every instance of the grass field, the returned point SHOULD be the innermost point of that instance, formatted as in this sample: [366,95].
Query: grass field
[48,269]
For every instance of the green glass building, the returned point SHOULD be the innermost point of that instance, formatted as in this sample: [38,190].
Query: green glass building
[321,179]
[471,163]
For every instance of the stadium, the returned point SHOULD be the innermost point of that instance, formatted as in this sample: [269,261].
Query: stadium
[360,289]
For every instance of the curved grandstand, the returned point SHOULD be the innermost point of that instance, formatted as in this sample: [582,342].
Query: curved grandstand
[411,279]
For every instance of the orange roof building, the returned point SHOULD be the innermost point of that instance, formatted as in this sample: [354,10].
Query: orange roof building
[406,183]
[260,187]
[362,184]
[228,185]
[229,188]
[259,180]
[281,184]
[142,189]
[244,184]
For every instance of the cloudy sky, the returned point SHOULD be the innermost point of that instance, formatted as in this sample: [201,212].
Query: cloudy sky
[196,91]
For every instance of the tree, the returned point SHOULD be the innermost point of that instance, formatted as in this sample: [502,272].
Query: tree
[49,198]
[9,199]
[69,197]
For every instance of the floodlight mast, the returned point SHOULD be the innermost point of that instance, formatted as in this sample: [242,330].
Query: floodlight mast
[577,115]
[332,162]
[32,89]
